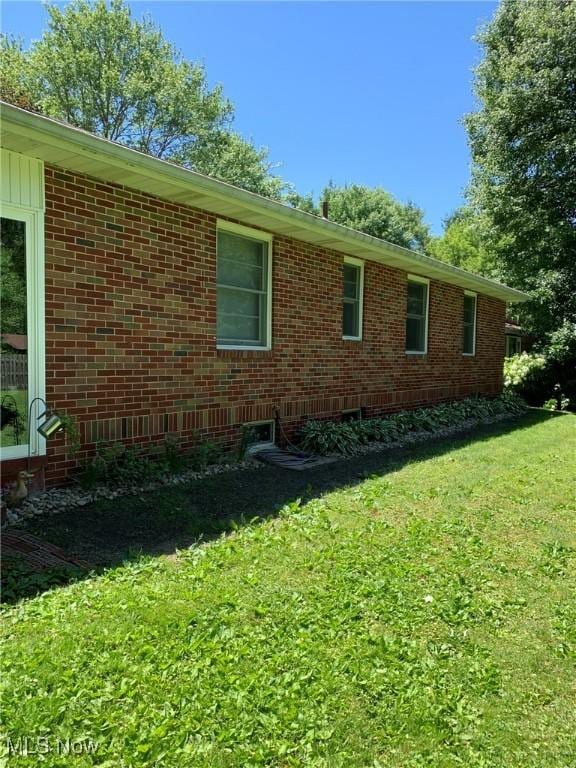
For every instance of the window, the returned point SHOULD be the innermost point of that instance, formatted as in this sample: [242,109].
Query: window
[260,434]
[513,345]
[352,298]
[469,338]
[243,311]
[22,329]
[417,315]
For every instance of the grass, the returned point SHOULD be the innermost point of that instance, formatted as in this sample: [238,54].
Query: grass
[18,397]
[422,615]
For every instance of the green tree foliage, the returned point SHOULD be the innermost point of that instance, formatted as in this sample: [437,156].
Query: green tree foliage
[14,87]
[229,157]
[463,244]
[12,276]
[523,141]
[302,202]
[100,69]
[375,212]
[372,210]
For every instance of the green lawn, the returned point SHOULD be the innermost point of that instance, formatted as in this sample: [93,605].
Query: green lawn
[19,398]
[424,615]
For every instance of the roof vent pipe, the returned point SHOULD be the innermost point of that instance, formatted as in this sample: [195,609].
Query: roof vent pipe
[325,209]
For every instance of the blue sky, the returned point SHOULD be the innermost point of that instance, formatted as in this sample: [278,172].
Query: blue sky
[372,93]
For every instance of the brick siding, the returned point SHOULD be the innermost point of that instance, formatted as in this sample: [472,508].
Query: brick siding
[131,320]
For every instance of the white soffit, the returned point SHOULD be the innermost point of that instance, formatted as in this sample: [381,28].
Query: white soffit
[72,149]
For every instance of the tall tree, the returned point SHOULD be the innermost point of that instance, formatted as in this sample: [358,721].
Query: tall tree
[227,156]
[14,71]
[464,244]
[523,141]
[100,69]
[372,210]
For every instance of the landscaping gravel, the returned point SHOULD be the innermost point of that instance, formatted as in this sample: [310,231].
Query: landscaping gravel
[57,500]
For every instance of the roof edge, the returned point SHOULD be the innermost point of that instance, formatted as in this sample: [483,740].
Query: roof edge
[116,153]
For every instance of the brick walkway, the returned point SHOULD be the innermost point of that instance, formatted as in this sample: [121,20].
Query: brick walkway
[38,554]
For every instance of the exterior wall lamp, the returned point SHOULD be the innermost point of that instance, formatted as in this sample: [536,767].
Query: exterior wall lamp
[51,424]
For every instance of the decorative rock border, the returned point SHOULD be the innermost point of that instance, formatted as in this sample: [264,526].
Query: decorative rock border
[58,499]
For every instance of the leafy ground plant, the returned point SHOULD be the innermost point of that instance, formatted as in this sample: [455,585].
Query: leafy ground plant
[346,438]
[20,580]
[421,614]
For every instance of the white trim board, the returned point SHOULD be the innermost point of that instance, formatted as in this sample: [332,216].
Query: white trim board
[78,151]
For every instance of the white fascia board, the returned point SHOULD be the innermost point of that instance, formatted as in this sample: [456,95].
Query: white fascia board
[61,137]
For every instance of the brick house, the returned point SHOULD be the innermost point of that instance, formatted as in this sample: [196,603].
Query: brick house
[162,301]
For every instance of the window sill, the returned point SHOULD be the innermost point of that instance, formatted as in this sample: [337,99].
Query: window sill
[226,347]
[15,463]
[253,449]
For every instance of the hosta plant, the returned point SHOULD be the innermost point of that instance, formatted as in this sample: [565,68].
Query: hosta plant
[331,437]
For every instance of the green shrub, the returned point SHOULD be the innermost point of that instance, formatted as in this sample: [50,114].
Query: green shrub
[204,454]
[327,437]
[19,579]
[331,437]
[172,458]
[247,437]
[119,464]
[524,371]
[557,404]
[540,378]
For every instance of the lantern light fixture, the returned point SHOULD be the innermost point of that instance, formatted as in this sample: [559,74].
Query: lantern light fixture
[50,425]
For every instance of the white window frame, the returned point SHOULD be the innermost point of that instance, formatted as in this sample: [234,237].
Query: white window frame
[265,237]
[255,447]
[356,263]
[35,331]
[475,297]
[423,281]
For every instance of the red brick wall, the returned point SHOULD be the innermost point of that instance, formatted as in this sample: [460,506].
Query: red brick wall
[131,318]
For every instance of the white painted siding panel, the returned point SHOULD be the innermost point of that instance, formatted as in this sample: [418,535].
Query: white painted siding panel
[21,180]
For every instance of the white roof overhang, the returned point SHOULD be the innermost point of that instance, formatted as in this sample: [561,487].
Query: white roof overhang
[59,144]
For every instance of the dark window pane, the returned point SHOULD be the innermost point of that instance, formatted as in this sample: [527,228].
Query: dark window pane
[350,317]
[416,298]
[414,334]
[468,339]
[351,276]
[14,337]
[241,262]
[469,309]
[469,319]
[240,249]
[238,330]
[416,310]
[242,301]
[240,275]
[260,433]
[236,302]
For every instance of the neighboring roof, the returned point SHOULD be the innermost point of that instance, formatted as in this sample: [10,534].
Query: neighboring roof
[71,148]
[17,341]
